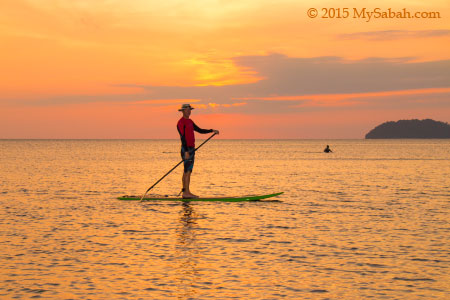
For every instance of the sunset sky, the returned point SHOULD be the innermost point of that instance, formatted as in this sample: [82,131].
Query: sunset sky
[251,68]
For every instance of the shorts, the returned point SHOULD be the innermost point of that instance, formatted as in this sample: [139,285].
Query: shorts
[189,163]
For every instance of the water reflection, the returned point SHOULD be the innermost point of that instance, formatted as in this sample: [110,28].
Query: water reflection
[187,253]
[188,222]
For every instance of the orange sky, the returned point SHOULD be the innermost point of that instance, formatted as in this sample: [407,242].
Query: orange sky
[252,68]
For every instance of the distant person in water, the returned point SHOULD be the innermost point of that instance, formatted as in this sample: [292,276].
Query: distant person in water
[186,128]
[327,149]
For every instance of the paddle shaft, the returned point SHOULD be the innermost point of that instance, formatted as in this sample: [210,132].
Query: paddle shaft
[175,167]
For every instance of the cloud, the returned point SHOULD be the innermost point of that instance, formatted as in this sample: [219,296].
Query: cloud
[394,34]
[293,76]
[299,77]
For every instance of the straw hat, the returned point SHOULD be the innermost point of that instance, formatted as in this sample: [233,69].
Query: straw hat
[185,106]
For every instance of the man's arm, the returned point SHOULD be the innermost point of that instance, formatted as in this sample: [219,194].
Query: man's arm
[200,130]
[182,136]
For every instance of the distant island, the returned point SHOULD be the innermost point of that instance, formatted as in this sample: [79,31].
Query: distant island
[411,129]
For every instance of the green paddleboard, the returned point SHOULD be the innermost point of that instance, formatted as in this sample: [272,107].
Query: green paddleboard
[223,199]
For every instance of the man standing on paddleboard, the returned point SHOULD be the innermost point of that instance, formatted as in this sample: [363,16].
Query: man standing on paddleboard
[186,128]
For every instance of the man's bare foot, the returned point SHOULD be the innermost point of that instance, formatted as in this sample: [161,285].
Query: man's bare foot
[189,196]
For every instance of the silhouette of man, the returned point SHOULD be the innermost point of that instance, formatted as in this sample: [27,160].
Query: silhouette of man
[186,128]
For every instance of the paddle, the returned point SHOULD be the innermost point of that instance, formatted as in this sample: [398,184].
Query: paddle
[174,168]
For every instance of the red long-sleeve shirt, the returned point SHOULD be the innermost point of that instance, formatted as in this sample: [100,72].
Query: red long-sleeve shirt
[186,128]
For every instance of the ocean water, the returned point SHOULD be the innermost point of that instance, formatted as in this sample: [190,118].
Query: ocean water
[369,221]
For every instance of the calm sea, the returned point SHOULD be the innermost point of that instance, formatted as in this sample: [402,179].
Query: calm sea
[369,221]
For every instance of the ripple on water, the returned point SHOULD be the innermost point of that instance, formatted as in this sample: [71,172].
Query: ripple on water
[359,225]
